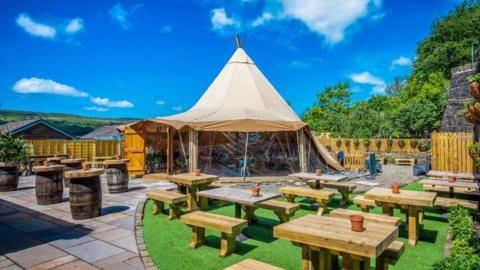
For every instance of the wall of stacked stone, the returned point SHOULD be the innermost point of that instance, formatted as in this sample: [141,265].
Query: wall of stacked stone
[453,119]
[142,248]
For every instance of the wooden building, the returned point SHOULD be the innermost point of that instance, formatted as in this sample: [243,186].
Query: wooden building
[35,129]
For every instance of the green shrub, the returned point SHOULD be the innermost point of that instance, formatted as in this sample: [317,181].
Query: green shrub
[12,150]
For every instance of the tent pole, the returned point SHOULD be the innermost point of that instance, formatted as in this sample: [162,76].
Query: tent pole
[192,150]
[169,151]
[301,150]
[245,159]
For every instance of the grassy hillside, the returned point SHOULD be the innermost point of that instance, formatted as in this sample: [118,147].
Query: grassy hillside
[73,124]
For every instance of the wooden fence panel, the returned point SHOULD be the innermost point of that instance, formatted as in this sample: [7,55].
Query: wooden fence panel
[450,150]
[76,148]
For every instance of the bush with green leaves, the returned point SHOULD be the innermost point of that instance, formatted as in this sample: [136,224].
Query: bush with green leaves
[474,151]
[474,78]
[464,254]
[12,150]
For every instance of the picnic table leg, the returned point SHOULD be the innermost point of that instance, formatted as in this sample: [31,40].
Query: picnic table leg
[192,198]
[325,259]
[380,263]
[306,258]
[322,206]
[344,194]
[387,209]
[413,228]
[174,211]
[350,263]
[290,198]
[249,214]
[158,206]
[238,210]
[198,237]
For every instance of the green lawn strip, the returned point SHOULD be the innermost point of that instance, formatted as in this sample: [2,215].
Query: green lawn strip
[167,241]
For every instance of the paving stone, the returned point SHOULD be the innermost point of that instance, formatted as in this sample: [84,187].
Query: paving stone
[54,263]
[12,240]
[69,241]
[78,264]
[95,224]
[114,259]
[94,250]
[111,217]
[127,243]
[35,255]
[112,234]
[27,223]
[5,263]
[135,262]
[12,267]
[121,266]
[126,223]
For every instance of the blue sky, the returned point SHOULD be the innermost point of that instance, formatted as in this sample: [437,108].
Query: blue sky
[151,58]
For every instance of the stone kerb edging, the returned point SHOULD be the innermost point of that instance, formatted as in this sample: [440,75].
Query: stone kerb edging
[142,248]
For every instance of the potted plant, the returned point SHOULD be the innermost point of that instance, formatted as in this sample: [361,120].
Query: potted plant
[338,142]
[474,151]
[13,151]
[356,143]
[475,85]
[347,143]
[366,143]
[197,172]
[401,143]
[414,143]
[256,191]
[378,143]
[395,188]
[424,146]
[318,172]
[389,143]
[357,223]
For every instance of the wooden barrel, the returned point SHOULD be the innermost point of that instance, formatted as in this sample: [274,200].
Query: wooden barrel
[49,184]
[117,175]
[8,177]
[70,165]
[85,193]
[55,160]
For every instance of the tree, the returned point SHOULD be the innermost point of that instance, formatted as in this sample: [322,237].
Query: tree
[416,118]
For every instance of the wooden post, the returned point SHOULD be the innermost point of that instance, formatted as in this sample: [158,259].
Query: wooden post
[170,161]
[192,150]
[302,155]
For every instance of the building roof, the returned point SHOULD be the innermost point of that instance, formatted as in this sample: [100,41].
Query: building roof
[239,99]
[105,132]
[19,126]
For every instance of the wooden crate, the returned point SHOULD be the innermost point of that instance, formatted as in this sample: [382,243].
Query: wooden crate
[404,161]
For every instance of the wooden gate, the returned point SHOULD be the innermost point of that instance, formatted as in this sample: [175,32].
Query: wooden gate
[450,150]
[135,151]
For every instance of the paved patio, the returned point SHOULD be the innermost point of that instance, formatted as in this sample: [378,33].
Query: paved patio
[46,237]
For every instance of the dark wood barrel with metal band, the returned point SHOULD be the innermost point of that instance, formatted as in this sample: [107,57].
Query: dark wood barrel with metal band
[117,175]
[70,165]
[49,184]
[55,160]
[85,193]
[8,177]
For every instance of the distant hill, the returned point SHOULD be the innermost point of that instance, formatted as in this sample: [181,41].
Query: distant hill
[73,124]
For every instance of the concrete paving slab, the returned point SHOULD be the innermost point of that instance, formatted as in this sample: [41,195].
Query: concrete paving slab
[94,250]
[35,255]
[53,263]
[113,234]
[127,243]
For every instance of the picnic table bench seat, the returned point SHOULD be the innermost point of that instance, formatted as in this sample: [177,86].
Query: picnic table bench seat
[390,256]
[229,227]
[251,264]
[404,161]
[283,210]
[344,188]
[175,200]
[442,202]
[364,204]
[322,197]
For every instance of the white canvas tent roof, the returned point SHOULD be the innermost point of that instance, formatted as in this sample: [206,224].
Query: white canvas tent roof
[239,99]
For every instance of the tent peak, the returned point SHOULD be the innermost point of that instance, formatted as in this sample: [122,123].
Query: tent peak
[240,57]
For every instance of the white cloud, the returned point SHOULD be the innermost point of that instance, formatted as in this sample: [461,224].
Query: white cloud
[35,28]
[121,15]
[220,20]
[37,85]
[74,26]
[160,102]
[95,108]
[177,108]
[265,17]
[112,104]
[330,18]
[367,78]
[401,61]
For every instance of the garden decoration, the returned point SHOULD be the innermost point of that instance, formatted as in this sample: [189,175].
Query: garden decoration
[347,143]
[414,143]
[366,143]
[356,143]
[395,188]
[255,191]
[389,144]
[13,151]
[401,143]
[197,172]
[338,142]
[378,143]
[357,223]
[424,146]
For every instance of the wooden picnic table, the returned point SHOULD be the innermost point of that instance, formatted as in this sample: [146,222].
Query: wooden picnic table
[190,184]
[320,237]
[446,175]
[460,187]
[237,195]
[412,203]
[321,177]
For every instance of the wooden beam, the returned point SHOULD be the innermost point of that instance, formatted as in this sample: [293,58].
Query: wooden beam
[302,157]
[170,158]
[192,150]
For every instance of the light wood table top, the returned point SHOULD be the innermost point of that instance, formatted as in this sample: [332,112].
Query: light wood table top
[84,174]
[445,183]
[237,195]
[103,157]
[322,177]
[191,179]
[49,168]
[441,174]
[336,234]
[72,160]
[57,158]
[116,161]
[405,197]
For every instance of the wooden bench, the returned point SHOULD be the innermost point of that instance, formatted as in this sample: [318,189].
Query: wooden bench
[442,202]
[251,264]
[404,161]
[390,256]
[344,188]
[229,227]
[364,204]
[322,197]
[283,210]
[175,200]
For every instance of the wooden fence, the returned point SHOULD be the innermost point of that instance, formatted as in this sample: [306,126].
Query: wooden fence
[450,150]
[76,148]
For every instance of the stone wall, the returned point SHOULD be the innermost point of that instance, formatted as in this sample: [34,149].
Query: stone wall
[453,120]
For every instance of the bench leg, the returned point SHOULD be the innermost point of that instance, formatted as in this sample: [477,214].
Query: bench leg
[158,207]
[290,198]
[282,216]
[344,194]
[306,258]
[198,237]
[322,207]
[421,214]
[413,228]
[335,265]
[249,214]
[174,211]
[203,203]
[380,263]
[227,245]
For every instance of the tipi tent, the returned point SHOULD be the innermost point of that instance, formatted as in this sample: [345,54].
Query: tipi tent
[240,126]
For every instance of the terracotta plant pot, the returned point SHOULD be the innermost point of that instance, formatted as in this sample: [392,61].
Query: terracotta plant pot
[85,166]
[255,191]
[197,172]
[318,172]
[455,169]
[475,90]
[396,188]
[452,179]
[357,223]
[117,157]
[46,163]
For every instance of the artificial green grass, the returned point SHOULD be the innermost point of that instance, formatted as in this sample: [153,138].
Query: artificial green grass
[167,241]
